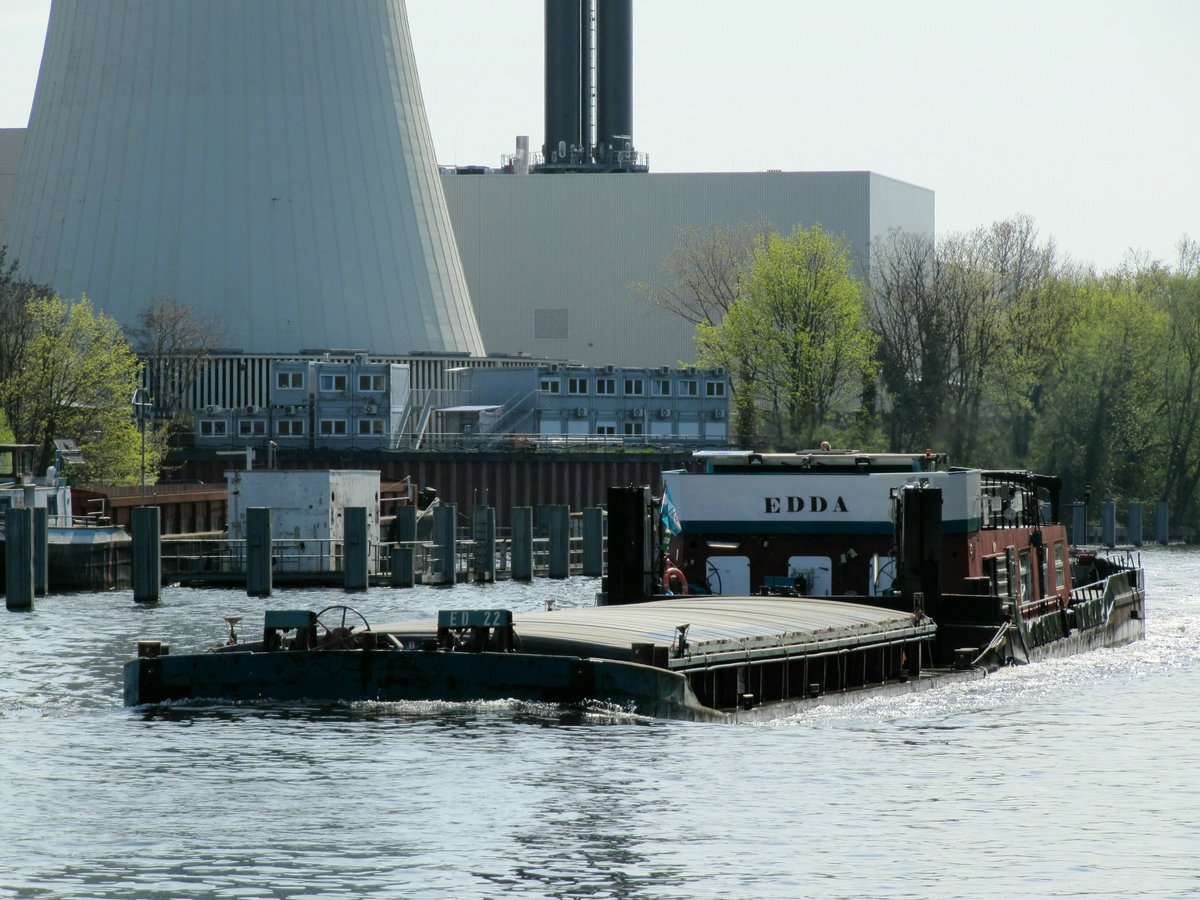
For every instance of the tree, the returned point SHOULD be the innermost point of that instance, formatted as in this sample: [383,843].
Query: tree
[1099,425]
[796,336]
[15,294]
[1180,392]
[75,379]
[912,327]
[173,343]
[704,268]
[967,325]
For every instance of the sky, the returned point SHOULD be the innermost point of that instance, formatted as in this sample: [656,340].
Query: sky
[1079,113]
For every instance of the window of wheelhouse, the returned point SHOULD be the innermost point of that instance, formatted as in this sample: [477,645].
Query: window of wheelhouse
[1026,578]
[1048,586]
[1060,563]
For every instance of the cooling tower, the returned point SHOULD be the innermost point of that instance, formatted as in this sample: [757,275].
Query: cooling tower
[267,162]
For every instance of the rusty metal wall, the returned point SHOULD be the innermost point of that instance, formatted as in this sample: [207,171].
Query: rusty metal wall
[499,480]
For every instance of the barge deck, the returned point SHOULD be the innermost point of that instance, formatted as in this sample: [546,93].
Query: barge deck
[703,659]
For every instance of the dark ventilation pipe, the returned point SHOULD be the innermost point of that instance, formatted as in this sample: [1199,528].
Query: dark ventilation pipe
[564,70]
[919,540]
[614,79]
[587,78]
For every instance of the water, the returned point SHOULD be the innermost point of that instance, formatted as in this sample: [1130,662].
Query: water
[1070,778]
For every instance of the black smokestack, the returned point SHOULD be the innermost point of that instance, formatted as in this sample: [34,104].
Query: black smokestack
[614,78]
[564,77]
[589,56]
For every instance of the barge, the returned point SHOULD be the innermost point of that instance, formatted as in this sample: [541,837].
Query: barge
[895,573]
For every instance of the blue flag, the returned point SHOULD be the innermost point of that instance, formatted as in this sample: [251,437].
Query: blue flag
[670,516]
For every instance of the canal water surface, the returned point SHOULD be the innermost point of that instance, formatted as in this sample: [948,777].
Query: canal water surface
[1072,778]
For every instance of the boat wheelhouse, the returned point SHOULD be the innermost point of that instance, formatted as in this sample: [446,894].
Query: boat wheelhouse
[975,548]
[823,523]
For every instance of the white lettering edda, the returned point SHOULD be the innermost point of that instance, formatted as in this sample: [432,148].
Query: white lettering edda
[794,504]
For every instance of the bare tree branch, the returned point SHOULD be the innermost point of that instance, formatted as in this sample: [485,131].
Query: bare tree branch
[702,273]
[173,342]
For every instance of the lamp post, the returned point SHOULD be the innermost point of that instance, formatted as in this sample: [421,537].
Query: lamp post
[141,403]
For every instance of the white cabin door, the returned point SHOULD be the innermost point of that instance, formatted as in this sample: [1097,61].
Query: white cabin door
[728,575]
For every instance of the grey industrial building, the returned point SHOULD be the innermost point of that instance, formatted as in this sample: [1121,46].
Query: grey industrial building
[128,188]
[560,405]
[355,404]
[552,260]
[364,404]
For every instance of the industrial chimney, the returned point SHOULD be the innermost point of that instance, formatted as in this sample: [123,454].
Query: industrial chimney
[614,81]
[267,164]
[589,59]
[565,80]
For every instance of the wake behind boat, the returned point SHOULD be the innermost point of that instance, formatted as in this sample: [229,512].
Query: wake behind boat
[930,574]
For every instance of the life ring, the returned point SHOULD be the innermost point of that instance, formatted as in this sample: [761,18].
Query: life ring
[680,586]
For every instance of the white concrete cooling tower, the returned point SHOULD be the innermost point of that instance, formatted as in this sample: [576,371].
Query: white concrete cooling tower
[267,162]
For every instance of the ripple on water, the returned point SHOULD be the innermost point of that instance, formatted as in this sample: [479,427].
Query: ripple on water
[1069,778]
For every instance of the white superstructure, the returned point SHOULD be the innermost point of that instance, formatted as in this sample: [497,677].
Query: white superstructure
[307,511]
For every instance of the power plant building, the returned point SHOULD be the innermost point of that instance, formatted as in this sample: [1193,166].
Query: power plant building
[553,261]
[270,165]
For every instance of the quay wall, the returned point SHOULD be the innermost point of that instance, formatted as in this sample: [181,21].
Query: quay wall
[501,479]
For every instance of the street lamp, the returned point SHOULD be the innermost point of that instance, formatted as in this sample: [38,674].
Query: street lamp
[141,405]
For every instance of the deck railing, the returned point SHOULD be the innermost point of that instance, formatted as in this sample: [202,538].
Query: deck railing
[195,559]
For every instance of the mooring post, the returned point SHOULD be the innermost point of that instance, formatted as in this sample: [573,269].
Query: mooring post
[402,566]
[445,524]
[405,526]
[147,554]
[404,537]
[1108,523]
[522,543]
[18,558]
[593,541]
[558,531]
[483,533]
[1162,532]
[1078,534]
[356,548]
[41,550]
[1133,527]
[258,551]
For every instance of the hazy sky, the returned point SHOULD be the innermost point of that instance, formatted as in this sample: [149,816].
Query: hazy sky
[1084,114]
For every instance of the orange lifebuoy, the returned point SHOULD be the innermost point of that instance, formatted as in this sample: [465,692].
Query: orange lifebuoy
[681,585]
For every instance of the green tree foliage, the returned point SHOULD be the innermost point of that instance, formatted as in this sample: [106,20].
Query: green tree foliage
[986,344]
[796,339]
[964,327]
[1099,425]
[74,379]
[1180,391]
[912,326]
